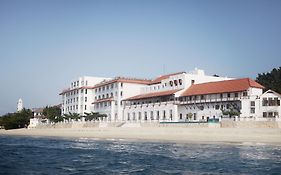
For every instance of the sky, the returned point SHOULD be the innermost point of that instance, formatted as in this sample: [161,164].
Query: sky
[45,44]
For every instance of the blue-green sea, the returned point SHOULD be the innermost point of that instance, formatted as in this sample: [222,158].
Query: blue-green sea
[32,155]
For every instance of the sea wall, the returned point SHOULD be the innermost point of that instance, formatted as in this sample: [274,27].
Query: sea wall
[222,124]
[250,124]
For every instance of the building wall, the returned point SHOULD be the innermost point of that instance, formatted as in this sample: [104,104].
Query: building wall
[187,79]
[80,95]
[118,91]
[272,110]
[164,111]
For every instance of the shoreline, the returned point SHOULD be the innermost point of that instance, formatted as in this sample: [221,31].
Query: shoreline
[172,135]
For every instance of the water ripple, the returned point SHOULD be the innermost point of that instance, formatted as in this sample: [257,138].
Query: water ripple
[27,155]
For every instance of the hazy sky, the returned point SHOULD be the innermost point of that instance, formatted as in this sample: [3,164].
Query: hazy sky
[44,44]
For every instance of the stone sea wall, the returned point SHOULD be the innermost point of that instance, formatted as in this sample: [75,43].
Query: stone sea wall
[222,124]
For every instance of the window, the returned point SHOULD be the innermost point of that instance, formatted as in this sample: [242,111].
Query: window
[275,114]
[145,115]
[111,95]
[85,107]
[175,82]
[128,117]
[264,102]
[151,115]
[252,111]
[221,95]
[134,116]
[121,84]
[194,116]
[202,97]
[164,115]
[252,103]
[217,107]
[158,115]
[139,115]
[236,94]
[121,93]
[171,114]
[227,106]
[86,83]
[192,81]
[180,81]
[228,95]
[270,114]
[245,93]
[85,99]
[180,116]
[171,83]
[86,91]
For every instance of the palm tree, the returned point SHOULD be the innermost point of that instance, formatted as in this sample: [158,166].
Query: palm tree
[91,116]
[72,116]
[94,116]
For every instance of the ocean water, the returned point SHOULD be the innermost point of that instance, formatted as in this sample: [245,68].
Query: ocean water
[31,155]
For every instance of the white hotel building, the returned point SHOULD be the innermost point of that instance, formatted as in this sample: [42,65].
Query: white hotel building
[109,95]
[178,97]
[79,96]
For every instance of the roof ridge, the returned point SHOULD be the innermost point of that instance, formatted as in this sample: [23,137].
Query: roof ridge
[170,74]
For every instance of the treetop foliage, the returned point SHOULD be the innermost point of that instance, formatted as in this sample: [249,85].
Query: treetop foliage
[271,80]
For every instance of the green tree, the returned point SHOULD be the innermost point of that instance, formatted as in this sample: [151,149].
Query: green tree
[94,116]
[16,120]
[71,116]
[53,113]
[271,80]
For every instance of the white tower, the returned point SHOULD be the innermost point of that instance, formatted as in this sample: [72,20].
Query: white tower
[20,105]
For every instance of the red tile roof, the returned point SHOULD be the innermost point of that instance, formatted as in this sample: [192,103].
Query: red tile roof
[69,90]
[217,87]
[153,94]
[159,79]
[103,100]
[123,80]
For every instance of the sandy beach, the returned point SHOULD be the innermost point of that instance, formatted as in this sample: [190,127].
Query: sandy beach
[178,135]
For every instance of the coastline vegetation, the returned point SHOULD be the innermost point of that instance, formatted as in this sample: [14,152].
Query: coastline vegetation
[271,80]
[16,120]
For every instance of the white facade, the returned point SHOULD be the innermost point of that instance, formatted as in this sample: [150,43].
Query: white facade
[20,105]
[79,96]
[165,108]
[268,105]
[110,94]
[163,99]
[180,80]
[211,106]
